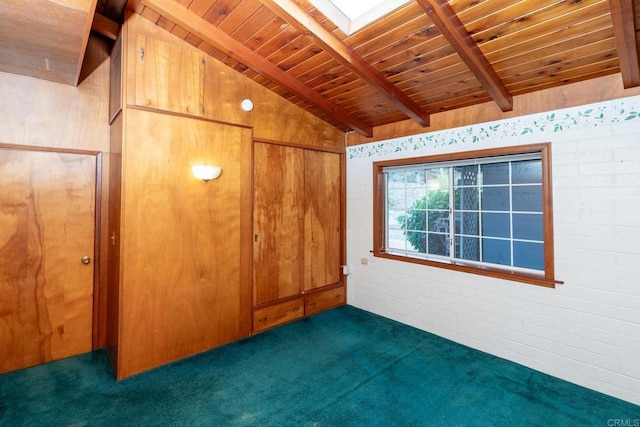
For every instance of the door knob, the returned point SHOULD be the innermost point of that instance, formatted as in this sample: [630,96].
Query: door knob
[85,259]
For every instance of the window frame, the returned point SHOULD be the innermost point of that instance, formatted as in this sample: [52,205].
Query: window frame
[547,278]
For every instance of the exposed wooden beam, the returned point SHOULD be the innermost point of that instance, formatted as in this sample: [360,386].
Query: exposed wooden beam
[623,15]
[105,26]
[292,13]
[445,19]
[193,23]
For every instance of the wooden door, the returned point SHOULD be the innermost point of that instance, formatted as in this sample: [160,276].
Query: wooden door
[278,248]
[322,219]
[47,225]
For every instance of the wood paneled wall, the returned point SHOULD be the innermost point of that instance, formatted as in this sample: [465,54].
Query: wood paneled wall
[273,117]
[39,113]
[180,274]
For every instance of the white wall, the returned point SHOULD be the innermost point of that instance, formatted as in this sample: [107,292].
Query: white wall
[586,331]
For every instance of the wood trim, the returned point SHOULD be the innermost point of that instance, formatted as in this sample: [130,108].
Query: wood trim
[444,17]
[50,149]
[99,298]
[343,219]
[303,146]
[173,113]
[547,280]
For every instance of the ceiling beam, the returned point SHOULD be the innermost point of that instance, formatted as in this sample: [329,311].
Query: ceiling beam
[291,12]
[624,31]
[445,19]
[183,17]
[105,26]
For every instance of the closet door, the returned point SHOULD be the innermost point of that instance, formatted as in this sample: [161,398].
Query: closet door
[279,202]
[322,219]
[47,229]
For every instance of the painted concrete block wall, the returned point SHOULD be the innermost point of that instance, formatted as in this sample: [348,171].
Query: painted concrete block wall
[587,330]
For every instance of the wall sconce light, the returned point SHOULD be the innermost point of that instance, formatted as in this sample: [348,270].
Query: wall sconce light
[206,172]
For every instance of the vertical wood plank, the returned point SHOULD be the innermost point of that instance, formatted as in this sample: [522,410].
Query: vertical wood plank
[278,255]
[322,219]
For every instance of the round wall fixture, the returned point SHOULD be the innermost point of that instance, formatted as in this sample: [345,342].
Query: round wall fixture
[247,105]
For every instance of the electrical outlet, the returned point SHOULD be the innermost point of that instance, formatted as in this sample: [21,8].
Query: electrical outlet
[364,261]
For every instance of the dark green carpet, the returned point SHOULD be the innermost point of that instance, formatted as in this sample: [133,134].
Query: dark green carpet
[344,367]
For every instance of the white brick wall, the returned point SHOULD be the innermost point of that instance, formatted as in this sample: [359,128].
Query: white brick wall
[586,331]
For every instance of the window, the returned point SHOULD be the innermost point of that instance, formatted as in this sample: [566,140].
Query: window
[487,212]
[352,15]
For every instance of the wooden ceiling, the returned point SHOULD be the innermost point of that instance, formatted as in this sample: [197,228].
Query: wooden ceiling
[427,56]
[45,39]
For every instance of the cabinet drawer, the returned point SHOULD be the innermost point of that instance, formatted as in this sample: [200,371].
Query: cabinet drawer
[324,300]
[278,314]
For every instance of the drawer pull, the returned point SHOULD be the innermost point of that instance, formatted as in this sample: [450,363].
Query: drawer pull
[263,319]
[296,308]
[313,304]
[338,296]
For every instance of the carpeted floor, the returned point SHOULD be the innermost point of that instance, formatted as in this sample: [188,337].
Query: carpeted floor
[344,367]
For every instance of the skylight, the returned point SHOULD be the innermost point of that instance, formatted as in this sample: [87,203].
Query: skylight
[352,15]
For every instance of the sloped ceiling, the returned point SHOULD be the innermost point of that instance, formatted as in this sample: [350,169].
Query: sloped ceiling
[45,39]
[425,57]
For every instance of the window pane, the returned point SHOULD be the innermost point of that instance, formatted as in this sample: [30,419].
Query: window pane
[465,175]
[438,200]
[527,198]
[495,173]
[527,226]
[439,221]
[496,225]
[496,251]
[414,220]
[495,198]
[467,198]
[438,179]
[526,172]
[415,177]
[438,244]
[395,177]
[468,248]
[417,241]
[528,255]
[467,223]
[397,239]
[396,198]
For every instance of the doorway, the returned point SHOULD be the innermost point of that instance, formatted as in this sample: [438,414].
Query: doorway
[47,254]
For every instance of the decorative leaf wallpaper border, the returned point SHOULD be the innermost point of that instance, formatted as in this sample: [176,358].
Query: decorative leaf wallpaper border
[594,115]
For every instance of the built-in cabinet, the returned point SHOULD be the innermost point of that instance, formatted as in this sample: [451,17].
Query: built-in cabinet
[192,264]
[297,233]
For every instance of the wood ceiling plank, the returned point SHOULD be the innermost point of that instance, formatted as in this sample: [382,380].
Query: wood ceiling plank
[591,71]
[514,46]
[517,19]
[296,16]
[452,28]
[627,46]
[222,41]
[564,51]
